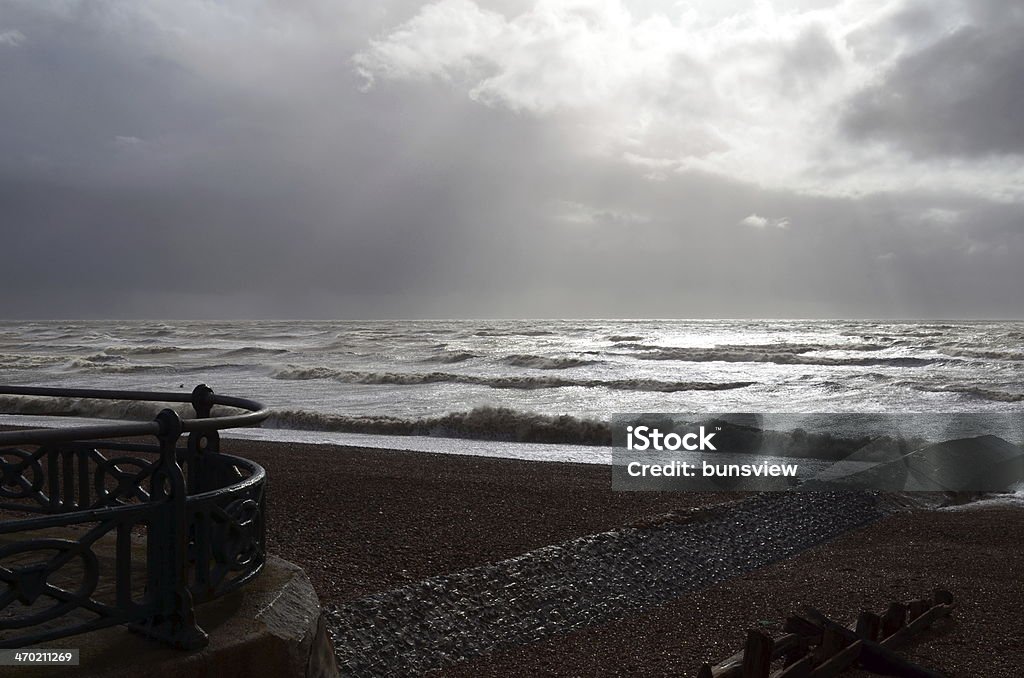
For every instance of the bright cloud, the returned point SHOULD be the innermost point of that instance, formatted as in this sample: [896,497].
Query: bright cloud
[755,93]
[757,221]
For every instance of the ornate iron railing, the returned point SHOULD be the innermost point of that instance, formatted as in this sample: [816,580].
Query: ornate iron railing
[101,528]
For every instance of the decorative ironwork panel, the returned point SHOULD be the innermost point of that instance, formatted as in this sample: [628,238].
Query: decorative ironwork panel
[106,532]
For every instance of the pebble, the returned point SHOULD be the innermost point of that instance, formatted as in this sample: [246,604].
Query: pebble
[428,624]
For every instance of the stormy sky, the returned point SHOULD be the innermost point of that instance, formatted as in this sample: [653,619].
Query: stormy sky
[511,158]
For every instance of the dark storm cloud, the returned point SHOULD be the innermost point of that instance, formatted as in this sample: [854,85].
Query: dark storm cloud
[961,96]
[128,176]
[222,160]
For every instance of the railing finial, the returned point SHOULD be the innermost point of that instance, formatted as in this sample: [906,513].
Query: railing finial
[202,400]
[170,425]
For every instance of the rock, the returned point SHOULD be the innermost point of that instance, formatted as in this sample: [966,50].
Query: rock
[272,626]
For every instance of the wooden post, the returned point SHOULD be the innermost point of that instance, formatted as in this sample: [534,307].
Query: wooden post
[757,657]
[705,671]
[832,642]
[893,619]
[868,625]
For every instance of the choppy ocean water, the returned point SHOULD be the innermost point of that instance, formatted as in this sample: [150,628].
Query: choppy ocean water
[490,386]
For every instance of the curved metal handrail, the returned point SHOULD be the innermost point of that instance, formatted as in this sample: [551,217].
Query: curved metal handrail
[202,513]
[256,414]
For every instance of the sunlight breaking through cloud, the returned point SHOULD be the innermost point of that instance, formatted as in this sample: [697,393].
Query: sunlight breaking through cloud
[752,95]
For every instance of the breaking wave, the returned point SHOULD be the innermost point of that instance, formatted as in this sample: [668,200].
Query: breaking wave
[482,423]
[524,383]
[292,373]
[982,354]
[111,364]
[510,425]
[130,410]
[28,362]
[542,363]
[108,364]
[974,391]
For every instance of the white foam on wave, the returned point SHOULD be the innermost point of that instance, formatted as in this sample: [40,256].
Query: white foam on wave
[566,453]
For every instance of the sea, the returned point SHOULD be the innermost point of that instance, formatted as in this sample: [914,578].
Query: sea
[533,389]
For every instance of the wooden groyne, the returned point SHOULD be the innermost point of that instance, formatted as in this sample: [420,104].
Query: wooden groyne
[815,646]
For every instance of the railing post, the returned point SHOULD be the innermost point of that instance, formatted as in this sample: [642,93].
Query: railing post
[201,477]
[200,474]
[167,547]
